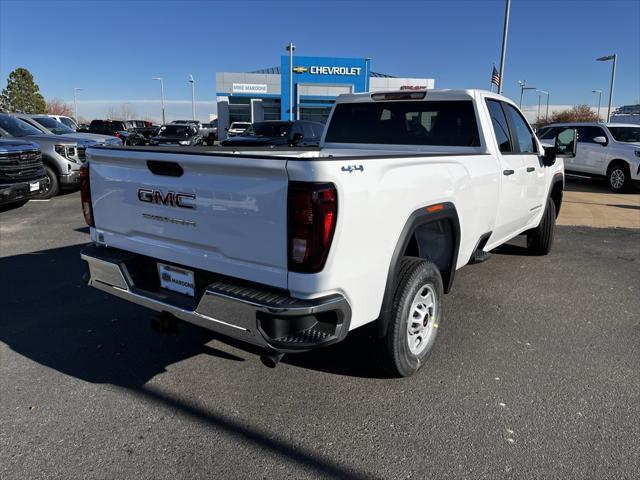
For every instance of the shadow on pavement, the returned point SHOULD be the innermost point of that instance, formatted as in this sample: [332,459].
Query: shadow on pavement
[579,184]
[51,317]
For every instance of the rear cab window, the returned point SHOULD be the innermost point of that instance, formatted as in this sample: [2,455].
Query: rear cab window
[437,123]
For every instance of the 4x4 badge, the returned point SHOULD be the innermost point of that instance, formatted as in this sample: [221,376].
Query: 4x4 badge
[352,168]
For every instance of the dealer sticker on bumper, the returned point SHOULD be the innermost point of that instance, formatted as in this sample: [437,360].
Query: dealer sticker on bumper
[34,187]
[177,279]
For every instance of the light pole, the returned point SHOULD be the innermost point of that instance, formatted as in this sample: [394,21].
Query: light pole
[75,103]
[613,57]
[546,116]
[599,92]
[523,87]
[193,97]
[503,55]
[290,48]
[161,96]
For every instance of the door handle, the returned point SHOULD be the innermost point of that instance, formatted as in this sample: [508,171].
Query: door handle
[531,169]
[508,172]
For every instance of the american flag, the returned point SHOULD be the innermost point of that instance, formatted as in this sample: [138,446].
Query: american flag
[495,77]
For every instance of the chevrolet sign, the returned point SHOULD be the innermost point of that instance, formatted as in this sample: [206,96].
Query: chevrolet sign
[300,69]
[352,71]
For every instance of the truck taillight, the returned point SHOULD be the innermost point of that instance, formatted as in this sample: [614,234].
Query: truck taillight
[85,194]
[313,208]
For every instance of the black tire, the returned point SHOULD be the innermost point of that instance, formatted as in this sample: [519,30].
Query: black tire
[53,184]
[619,177]
[540,239]
[414,275]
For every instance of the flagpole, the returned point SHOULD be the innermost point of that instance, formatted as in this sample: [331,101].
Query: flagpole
[504,46]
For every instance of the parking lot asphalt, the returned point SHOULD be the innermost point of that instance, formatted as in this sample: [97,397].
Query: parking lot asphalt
[536,375]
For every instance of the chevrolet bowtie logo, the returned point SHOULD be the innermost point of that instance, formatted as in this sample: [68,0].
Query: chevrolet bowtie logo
[300,69]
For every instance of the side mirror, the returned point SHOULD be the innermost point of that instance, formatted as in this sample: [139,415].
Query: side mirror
[296,137]
[601,140]
[564,147]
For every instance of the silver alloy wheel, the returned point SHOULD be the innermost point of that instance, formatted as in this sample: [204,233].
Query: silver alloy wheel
[422,323]
[616,179]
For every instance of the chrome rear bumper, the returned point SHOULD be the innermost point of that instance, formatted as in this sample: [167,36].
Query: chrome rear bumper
[253,313]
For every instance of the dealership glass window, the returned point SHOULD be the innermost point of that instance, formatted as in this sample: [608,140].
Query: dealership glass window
[314,114]
[445,123]
[271,109]
[239,109]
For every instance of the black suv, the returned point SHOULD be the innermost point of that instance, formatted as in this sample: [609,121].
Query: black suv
[22,175]
[300,133]
[116,128]
[174,134]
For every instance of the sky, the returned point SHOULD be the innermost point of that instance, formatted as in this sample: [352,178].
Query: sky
[112,50]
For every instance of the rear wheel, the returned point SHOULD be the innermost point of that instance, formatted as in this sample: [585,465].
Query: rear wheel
[618,177]
[414,319]
[540,239]
[52,187]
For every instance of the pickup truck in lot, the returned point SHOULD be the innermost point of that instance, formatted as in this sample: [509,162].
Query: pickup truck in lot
[290,249]
[22,175]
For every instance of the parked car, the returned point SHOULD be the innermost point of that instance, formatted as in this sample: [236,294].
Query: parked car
[290,251]
[177,134]
[236,128]
[22,175]
[299,133]
[50,126]
[605,150]
[60,155]
[209,132]
[145,128]
[68,121]
[117,128]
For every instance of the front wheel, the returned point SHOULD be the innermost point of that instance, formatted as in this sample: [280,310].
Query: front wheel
[540,239]
[52,187]
[415,318]
[618,177]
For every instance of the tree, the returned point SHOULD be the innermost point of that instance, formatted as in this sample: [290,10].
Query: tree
[579,113]
[123,112]
[58,107]
[22,94]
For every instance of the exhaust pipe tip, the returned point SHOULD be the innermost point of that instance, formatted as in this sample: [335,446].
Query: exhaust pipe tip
[271,359]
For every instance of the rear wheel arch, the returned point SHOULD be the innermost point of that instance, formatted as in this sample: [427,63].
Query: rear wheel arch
[432,233]
[617,161]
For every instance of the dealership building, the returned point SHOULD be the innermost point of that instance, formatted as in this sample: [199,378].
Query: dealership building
[317,81]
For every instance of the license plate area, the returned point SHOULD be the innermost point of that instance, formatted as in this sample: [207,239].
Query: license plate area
[34,186]
[177,279]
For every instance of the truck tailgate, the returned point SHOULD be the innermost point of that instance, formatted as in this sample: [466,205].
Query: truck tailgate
[237,225]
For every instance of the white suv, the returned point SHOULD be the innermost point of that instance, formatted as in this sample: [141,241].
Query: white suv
[610,150]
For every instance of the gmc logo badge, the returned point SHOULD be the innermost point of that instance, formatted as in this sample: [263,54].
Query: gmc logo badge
[171,199]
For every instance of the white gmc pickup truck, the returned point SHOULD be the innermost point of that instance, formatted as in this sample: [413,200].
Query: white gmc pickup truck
[291,249]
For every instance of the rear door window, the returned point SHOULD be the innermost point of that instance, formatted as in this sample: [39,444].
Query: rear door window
[524,136]
[443,123]
[500,126]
